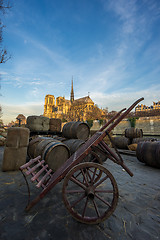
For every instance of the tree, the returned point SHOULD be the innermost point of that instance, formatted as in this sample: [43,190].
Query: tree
[76,112]
[4,5]
[3,52]
[1,122]
[132,121]
[96,113]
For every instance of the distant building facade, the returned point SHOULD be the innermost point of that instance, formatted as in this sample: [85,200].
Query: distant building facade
[20,121]
[144,108]
[75,109]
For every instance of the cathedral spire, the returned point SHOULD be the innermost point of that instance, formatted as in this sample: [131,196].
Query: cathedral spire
[72,92]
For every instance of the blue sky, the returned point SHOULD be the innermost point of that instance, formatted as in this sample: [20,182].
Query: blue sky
[110,47]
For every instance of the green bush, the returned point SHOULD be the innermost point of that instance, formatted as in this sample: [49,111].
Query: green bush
[132,121]
[101,121]
[90,123]
[64,120]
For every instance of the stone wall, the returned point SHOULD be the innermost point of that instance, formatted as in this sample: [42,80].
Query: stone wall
[149,125]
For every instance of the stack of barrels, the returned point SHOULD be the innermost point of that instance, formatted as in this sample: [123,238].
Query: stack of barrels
[56,150]
[147,149]
[15,151]
[130,134]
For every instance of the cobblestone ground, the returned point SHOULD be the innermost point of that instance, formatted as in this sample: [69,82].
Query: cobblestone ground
[137,215]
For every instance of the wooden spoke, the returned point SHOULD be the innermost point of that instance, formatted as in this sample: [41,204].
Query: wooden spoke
[85,207]
[78,182]
[88,175]
[84,177]
[96,208]
[80,199]
[93,176]
[78,174]
[100,198]
[74,191]
[104,191]
[102,180]
[93,157]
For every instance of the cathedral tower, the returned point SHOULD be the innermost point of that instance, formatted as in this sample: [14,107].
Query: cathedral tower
[72,92]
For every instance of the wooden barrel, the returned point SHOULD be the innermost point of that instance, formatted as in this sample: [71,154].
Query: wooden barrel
[143,139]
[55,154]
[61,139]
[149,153]
[121,142]
[73,144]
[41,145]
[32,146]
[75,130]
[133,133]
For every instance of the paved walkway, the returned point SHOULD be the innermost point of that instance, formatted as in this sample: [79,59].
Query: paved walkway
[137,215]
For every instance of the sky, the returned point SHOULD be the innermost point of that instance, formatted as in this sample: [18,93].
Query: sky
[111,48]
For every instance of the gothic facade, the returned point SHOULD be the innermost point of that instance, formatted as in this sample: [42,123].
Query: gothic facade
[72,109]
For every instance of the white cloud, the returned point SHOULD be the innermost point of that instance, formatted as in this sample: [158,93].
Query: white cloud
[10,112]
[3,73]
[118,100]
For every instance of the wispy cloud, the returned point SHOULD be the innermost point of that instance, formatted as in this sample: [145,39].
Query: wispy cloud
[10,112]
[118,100]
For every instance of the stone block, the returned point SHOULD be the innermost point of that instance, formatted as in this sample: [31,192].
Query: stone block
[17,137]
[13,158]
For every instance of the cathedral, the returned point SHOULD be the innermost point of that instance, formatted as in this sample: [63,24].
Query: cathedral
[73,110]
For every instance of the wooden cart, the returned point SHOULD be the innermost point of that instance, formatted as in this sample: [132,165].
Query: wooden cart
[90,192]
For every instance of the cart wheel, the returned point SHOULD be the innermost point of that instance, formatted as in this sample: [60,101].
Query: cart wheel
[90,201]
[93,157]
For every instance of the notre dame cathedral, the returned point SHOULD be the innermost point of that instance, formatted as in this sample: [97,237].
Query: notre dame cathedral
[75,110]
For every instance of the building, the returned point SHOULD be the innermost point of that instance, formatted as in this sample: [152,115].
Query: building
[79,109]
[20,120]
[144,108]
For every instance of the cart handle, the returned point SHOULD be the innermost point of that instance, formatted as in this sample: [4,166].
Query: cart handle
[124,114]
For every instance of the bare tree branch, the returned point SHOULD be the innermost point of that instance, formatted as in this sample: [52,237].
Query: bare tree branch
[4,57]
[3,52]
[4,6]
